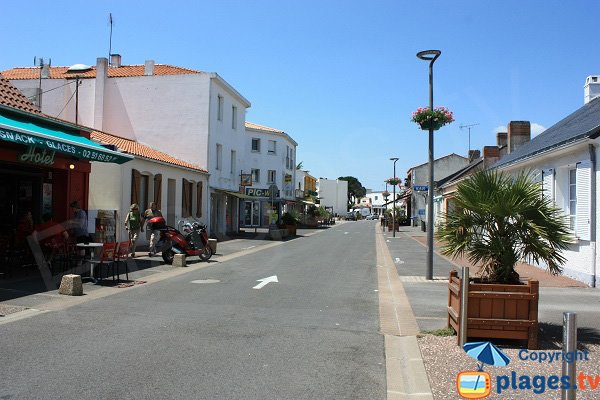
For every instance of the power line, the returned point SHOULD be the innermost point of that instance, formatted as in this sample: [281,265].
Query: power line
[49,90]
[68,101]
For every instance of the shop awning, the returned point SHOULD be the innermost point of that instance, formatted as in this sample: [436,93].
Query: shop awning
[54,139]
[310,203]
[240,195]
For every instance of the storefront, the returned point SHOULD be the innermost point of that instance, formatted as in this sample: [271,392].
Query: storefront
[44,166]
[260,208]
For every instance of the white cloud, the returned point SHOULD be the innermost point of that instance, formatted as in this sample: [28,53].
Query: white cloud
[536,129]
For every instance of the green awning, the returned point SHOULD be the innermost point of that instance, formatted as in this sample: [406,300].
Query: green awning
[240,195]
[54,139]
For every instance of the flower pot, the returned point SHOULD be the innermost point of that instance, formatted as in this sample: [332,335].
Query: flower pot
[425,125]
[500,311]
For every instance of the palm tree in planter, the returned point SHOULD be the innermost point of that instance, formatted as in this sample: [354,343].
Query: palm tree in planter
[497,221]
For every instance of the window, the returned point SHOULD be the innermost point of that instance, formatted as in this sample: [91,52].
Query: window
[233,117]
[255,175]
[219,157]
[272,147]
[233,161]
[572,198]
[255,145]
[220,108]
[287,157]
[186,198]
[272,175]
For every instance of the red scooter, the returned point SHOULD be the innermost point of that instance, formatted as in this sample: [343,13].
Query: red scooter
[192,241]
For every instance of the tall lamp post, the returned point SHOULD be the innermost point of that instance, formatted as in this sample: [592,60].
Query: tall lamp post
[394,159]
[431,56]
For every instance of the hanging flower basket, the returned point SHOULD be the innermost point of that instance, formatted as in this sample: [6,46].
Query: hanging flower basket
[385,194]
[428,119]
[393,181]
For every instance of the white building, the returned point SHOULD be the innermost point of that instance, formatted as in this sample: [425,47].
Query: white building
[269,157]
[193,115]
[376,201]
[564,158]
[418,177]
[333,194]
[177,187]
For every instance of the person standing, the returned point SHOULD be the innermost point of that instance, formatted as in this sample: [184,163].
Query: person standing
[133,224]
[154,234]
[79,224]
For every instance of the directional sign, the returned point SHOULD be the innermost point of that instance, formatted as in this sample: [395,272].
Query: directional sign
[420,188]
[265,281]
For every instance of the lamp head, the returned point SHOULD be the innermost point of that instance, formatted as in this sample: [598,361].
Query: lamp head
[429,55]
[394,159]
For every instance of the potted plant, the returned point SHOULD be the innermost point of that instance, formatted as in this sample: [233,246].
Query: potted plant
[499,220]
[436,118]
[290,221]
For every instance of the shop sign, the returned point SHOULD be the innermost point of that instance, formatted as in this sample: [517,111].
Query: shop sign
[245,179]
[87,153]
[260,192]
[34,155]
[287,178]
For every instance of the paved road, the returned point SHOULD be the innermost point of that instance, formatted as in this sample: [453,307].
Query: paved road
[313,335]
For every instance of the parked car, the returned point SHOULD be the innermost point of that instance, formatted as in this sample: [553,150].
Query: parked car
[350,216]
[371,216]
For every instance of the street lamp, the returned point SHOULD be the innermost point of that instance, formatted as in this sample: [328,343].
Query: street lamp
[394,159]
[431,56]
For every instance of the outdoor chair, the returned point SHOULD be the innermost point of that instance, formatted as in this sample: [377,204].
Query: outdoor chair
[107,258]
[121,256]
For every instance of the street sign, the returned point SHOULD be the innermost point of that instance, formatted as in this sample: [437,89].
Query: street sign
[420,188]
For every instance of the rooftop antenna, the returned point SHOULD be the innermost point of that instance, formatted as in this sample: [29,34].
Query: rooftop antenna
[469,128]
[110,21]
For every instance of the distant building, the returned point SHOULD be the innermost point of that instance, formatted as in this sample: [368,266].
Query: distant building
[333,194]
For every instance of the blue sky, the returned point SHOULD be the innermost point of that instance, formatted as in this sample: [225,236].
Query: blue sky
[341,77]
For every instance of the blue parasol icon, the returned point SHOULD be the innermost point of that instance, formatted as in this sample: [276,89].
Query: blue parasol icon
[486,353]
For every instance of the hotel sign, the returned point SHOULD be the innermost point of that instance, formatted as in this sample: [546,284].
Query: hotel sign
[34,155]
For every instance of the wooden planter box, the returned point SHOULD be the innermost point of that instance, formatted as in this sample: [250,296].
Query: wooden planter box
[291,229]
[497,311]
[391,228]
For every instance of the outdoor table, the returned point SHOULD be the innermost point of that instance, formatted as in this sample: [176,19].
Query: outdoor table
[92,261]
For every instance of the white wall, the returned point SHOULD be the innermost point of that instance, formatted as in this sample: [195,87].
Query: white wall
[110,189]
[580,254]
[333,193]
[264,161]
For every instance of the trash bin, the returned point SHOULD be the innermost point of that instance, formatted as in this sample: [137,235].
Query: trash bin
[423,227]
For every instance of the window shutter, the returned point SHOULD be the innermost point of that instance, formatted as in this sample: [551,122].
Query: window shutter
[136,177]
[582,222]
[199,200]
[158,190]
[548,183]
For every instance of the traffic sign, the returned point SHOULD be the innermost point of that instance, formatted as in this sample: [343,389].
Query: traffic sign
[420,188]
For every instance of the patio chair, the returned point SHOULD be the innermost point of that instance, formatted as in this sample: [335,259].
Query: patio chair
[107,258]
[121,256]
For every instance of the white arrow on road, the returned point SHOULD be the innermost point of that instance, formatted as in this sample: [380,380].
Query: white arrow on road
[264,281]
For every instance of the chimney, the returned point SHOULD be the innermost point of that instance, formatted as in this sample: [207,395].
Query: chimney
[591,90]
[45,71]
[115,60]
[491,154]
[149,68]
[501,139]
[100,84]
[519,133]
[474,155]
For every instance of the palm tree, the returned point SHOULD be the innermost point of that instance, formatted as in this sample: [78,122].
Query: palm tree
[499,220]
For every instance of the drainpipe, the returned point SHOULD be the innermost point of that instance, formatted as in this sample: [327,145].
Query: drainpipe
[592,150]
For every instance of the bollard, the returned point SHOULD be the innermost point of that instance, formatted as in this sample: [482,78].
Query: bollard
[569,345]
[464,307]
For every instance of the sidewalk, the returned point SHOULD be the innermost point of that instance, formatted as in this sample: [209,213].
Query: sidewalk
[441,356]
[32,292]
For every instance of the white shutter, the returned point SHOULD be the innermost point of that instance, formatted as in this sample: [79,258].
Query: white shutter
[548,183]
[583,182]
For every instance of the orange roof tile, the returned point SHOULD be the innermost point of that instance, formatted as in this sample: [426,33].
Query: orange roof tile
[12,97]
[137,149]
[116,72]
[262,127]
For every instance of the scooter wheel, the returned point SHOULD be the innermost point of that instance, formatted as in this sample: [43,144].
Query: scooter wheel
[206,253]
[168,255]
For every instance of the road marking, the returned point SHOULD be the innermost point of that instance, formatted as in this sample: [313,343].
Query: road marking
[247,248]
[265,281]
[345,233]
[398,261]
[206,281]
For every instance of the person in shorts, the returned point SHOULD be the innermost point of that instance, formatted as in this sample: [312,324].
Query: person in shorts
[154,234]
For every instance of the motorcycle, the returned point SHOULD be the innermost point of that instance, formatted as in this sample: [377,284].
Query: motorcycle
[192,240]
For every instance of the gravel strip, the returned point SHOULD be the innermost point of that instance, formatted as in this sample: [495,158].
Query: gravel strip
[444,359]
[6,309]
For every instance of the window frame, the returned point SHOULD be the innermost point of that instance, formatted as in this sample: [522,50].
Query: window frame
[220,104]
[274,151]
[257,140]
[255,175]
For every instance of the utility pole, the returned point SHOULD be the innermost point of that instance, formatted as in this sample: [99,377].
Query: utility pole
[469,128]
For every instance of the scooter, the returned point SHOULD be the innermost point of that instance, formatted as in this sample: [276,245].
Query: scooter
[192,241]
